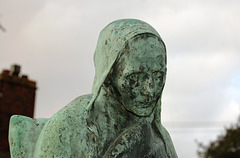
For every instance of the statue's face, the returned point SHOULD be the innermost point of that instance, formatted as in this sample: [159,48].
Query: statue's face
[138,76]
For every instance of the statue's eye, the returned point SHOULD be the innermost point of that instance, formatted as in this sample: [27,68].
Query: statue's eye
[133,78]
[157,74]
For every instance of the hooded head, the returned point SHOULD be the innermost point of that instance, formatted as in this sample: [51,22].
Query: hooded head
[118,40]
[119,43]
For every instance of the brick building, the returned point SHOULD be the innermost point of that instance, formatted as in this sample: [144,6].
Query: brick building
[17,96]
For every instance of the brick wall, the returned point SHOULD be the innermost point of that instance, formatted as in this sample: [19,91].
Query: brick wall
[17,96]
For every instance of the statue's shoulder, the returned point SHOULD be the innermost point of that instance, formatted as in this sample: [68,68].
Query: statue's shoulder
[61,134]
[70,115]
[78,105]
[72,112]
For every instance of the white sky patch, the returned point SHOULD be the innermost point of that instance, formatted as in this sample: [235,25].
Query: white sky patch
[231,112]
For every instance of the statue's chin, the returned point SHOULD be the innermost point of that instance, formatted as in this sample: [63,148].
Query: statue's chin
[143,110]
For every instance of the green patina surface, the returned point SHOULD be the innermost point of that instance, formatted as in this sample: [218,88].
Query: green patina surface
[121,117]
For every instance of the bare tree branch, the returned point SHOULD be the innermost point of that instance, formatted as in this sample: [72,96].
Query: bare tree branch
[2,28]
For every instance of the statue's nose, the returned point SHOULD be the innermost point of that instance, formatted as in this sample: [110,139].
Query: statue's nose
[148,87]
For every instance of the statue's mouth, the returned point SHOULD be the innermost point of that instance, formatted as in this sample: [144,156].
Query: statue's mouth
[147,103]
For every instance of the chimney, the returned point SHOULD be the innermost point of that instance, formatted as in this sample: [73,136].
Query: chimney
[17,96]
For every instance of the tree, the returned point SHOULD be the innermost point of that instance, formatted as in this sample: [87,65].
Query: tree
[227,145]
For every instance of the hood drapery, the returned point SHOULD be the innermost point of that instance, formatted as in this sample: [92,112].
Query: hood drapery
[111,42]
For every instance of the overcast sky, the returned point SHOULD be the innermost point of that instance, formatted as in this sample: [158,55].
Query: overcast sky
[54,42]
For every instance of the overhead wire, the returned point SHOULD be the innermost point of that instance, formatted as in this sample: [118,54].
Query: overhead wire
[186,127]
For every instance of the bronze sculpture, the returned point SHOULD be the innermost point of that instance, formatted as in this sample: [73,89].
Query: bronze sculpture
[121,118]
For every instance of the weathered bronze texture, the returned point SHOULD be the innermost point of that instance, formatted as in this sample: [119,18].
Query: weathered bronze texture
[121,117]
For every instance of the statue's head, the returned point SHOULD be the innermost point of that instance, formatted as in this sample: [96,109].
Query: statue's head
[138,77]
[131,58]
